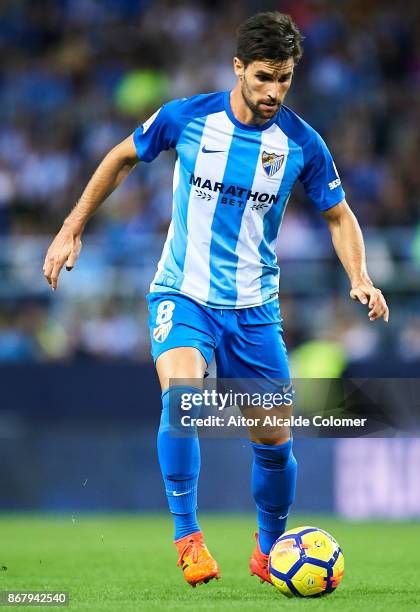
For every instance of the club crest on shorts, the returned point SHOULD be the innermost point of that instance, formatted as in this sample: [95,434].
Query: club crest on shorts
[160,333]
[271,162]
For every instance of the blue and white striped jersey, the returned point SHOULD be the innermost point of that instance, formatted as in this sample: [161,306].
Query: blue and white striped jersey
[231,185]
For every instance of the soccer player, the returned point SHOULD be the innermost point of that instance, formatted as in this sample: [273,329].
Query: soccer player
[215,291]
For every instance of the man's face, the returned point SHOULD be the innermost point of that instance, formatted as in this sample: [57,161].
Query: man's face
[264,85]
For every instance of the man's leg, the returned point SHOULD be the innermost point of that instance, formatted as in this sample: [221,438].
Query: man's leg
[274,472]
[178,450]
[183,336]
[179,459]
[256,356]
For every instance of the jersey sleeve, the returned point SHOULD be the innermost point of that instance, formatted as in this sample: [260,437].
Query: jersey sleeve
[319,175]
[158,133]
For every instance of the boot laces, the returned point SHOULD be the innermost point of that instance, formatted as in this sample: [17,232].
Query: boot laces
[192,547]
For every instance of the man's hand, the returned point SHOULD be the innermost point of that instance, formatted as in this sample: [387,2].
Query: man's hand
[65,249]
[366,293]
[348,243]
[112,170]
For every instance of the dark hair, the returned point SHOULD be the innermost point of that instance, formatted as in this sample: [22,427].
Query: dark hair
[270,35]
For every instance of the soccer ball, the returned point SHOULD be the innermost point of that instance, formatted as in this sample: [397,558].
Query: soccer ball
[306,562]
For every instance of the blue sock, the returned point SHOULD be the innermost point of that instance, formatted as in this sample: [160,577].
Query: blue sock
[273,487]
[179,459]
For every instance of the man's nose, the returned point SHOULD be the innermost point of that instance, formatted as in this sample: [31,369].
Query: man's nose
[273,92]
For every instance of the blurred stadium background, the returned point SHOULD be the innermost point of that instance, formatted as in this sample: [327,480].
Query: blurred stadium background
[79,401]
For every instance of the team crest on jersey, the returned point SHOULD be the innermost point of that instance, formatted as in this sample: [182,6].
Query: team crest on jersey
[161,332]
[271,162]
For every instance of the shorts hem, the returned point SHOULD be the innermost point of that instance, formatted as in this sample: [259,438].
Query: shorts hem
[169,348]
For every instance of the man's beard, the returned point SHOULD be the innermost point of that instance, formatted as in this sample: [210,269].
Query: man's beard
[254,108]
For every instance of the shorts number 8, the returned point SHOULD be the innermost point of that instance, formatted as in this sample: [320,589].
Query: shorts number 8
[164,312]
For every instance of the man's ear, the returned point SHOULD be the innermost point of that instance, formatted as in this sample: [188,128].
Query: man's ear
[238,67]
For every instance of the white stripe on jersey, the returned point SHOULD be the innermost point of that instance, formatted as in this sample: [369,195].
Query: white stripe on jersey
[217,136]
[170,234]
[249,268]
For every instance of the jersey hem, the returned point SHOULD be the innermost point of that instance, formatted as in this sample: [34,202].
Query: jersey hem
[165,289]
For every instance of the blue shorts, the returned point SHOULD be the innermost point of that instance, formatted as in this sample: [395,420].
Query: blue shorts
[246,342]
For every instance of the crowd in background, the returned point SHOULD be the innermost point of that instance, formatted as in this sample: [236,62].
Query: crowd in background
[79,75]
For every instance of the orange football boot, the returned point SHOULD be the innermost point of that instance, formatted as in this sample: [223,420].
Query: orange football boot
[258,563]
[195,559]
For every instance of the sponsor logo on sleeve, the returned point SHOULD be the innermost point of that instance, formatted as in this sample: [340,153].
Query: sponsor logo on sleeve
[150,120]
[334,183]
[337,181]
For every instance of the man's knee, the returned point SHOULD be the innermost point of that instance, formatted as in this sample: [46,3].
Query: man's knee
[184,364]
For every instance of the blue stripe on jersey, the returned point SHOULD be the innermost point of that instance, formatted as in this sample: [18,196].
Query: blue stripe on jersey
[227,219]
[274,218]
[174,264]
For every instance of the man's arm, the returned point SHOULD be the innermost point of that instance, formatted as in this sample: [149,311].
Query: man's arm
[348,243]
[65,248]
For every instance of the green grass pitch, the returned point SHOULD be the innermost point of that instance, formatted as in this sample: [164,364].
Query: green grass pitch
[126,563]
